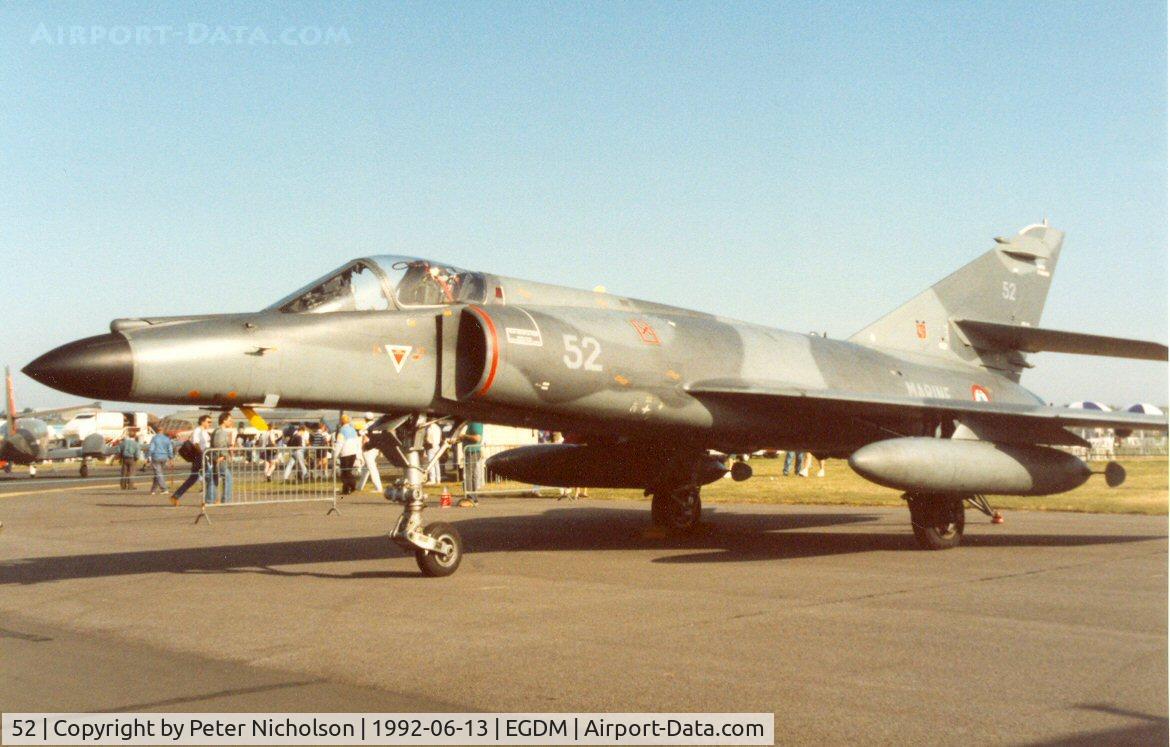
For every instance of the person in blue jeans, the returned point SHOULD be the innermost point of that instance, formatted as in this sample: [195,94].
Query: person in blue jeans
[129,450]
[473,464]
[160,453]
[793,461]
[201,440]
[221,440]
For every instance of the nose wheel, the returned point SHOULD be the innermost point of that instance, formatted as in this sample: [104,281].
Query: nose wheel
[448,553]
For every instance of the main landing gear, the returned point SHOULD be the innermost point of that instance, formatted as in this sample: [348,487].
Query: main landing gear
[677,509]
[938,519]
[676,504]
[437,547]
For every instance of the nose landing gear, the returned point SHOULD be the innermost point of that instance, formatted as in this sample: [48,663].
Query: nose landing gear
[437,547]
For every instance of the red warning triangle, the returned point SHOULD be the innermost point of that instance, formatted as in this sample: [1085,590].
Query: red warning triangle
[398,355]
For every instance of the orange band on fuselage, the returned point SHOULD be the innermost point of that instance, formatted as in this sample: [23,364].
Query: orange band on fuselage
[491,328]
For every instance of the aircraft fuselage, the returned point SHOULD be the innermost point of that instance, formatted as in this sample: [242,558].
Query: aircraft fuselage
[590,369]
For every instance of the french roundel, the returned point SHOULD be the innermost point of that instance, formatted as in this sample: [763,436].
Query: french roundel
[980,394]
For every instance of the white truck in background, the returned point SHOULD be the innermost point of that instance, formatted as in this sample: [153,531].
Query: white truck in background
[111,425]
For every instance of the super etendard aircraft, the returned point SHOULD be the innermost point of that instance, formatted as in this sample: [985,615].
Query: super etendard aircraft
[925,400]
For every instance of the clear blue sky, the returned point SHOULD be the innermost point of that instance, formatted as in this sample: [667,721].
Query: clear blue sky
[808,166]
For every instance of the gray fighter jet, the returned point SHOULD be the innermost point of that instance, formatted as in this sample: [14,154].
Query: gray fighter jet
[926,400]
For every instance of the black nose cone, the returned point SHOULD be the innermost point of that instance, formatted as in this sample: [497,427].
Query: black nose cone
[101,367]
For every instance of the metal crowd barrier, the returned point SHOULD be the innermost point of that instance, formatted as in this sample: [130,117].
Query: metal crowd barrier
[1104,450]
[231,478]
[479,480]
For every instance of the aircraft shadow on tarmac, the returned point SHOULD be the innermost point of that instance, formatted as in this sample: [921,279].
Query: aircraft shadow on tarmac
[1149,729]
[723,537]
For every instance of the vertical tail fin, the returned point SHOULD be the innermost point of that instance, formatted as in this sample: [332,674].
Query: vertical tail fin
[1007,285]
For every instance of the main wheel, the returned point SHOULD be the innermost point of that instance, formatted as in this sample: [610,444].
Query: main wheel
[679,510]
[445,560]
[938,521]
[84,469]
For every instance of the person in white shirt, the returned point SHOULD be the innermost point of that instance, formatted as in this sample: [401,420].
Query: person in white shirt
[434,442]
[370,460]
[201,440]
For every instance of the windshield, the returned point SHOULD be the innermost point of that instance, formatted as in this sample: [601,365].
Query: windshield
[422,282]
[356,287]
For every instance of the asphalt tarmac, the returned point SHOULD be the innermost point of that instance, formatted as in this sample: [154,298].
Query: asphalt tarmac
[1051,628]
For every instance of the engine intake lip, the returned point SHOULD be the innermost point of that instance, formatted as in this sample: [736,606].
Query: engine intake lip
[478,353]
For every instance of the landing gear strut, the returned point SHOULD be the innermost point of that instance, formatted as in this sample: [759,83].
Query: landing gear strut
[437,547]
[979,503]
[938,520]
[84,468]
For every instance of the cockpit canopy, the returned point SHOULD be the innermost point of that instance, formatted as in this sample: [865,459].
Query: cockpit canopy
[386,282]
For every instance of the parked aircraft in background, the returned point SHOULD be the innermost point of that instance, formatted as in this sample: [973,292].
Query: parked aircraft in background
[926,400]
[26,438]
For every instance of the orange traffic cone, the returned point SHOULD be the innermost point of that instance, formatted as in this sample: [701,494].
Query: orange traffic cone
[445,498]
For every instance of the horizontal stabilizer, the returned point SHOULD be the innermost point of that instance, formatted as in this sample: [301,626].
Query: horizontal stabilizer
[993,336]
